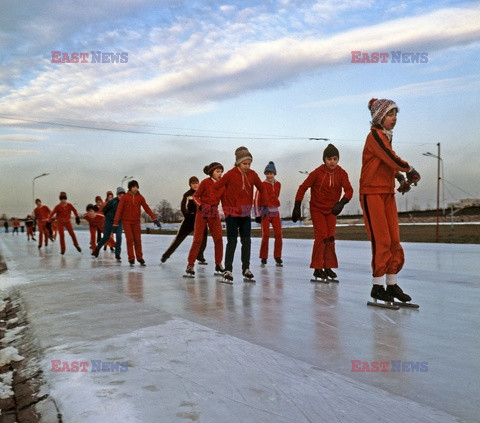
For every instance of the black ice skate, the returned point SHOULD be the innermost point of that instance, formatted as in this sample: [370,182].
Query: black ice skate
[278,262]
[264,262]
[189,272]
[248,276]
[202,261]
[378,293]
[132,263]
[396,292]
[219,270]
[227,277]
[320,276]
[331,275]
[142,263]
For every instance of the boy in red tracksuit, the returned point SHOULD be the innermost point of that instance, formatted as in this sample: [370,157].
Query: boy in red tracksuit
[96,222]
[326,183]
[237,204]
[270,215]
[128,211]
[41,213]
[63,212]
[380,167]
[207,198]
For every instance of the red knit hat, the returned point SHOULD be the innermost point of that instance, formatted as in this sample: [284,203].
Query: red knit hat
[379,108]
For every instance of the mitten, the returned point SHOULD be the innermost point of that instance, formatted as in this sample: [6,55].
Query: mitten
[413,176]
[296,214]
[337,208]
[157,223]
[258,219]
[77,220]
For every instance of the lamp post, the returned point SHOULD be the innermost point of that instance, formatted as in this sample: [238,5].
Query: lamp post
[33,186]
[428,154]
[125,178]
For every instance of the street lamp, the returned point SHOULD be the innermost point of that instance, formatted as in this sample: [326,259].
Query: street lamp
[428,154]
[125,178]
[33,186]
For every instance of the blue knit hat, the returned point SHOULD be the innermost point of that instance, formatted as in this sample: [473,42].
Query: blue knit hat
[270,168]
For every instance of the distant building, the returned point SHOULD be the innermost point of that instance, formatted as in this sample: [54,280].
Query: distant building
[466,202]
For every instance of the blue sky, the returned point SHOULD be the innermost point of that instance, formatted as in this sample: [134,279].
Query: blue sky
[204,77]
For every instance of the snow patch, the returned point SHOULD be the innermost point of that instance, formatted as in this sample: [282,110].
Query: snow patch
[6,385]
[8,355]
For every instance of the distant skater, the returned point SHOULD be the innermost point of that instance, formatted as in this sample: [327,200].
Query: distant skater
[41,213]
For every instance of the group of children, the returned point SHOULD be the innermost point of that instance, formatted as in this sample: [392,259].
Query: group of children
[330,191]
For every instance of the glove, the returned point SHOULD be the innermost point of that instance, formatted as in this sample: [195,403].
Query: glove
[77,220]
[296,214]
[258,219]
[157,223]
[413,177]
[48,225]
[205,210]
[404,185]
[337,208]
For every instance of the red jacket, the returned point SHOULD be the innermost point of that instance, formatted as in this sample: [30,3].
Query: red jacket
[128,210]
[270,199]
[63,212]
[379,164]
[326,188]
[96,222]
[237,199]
[207,194]
[42,213]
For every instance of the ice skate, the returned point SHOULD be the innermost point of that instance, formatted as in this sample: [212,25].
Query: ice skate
[219,270]
[142,263]
[331,275]
[396,292]
[278,262]
[320,276]
[378,293]
[248,276]
[189,272]
[132,263]
[163,259]
[78,248]
[118,258]
[263,262]
[202,261]
[227,277]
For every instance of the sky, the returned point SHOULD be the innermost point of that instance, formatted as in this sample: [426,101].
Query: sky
[195,80]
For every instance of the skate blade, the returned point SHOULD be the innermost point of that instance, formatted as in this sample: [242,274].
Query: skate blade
[218,274]
[279,265]
[333,280]
[189,276]
[226,281]
[202,263]
[250,280]
[318,280]
[390,306]
[406,305]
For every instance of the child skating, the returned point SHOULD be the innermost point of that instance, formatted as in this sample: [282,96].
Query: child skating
[326,184]
[128,211]
[270,216]
[41,213]
[380,167]
[63,212]
[96,222]
[237,203]
[207,199]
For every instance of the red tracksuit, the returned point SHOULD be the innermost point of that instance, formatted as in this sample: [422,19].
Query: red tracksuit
[326,189]
[128,211]
[97,224]
[41,214]
[377,198]
[64,212]
[207,198]
[270,216]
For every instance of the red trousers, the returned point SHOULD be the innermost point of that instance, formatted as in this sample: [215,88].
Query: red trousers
[42,231]
[68,226]
[323,253]
[133,235]
[30,232]
[215,227]
[277,235]
[93,239]
[381,222]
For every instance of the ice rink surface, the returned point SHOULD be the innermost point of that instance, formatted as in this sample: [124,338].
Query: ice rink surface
[280,350]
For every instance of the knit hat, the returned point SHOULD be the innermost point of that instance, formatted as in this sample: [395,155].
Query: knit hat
[98,198]
[109,193]
[133,183]
[270,168]
[330,151]
[63,195]
[120,190]
[379,108]
[242,154]
[193,180]
[208,169]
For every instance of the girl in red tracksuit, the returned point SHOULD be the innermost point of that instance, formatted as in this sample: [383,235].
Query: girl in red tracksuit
[128,211]
[96,222]
[380,167]
[207,198]
[237,204]
[326,184]
[41,213]
[63,211]
[271,215]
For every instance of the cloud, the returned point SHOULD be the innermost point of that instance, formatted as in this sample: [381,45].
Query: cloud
[20,138]
[6,153]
